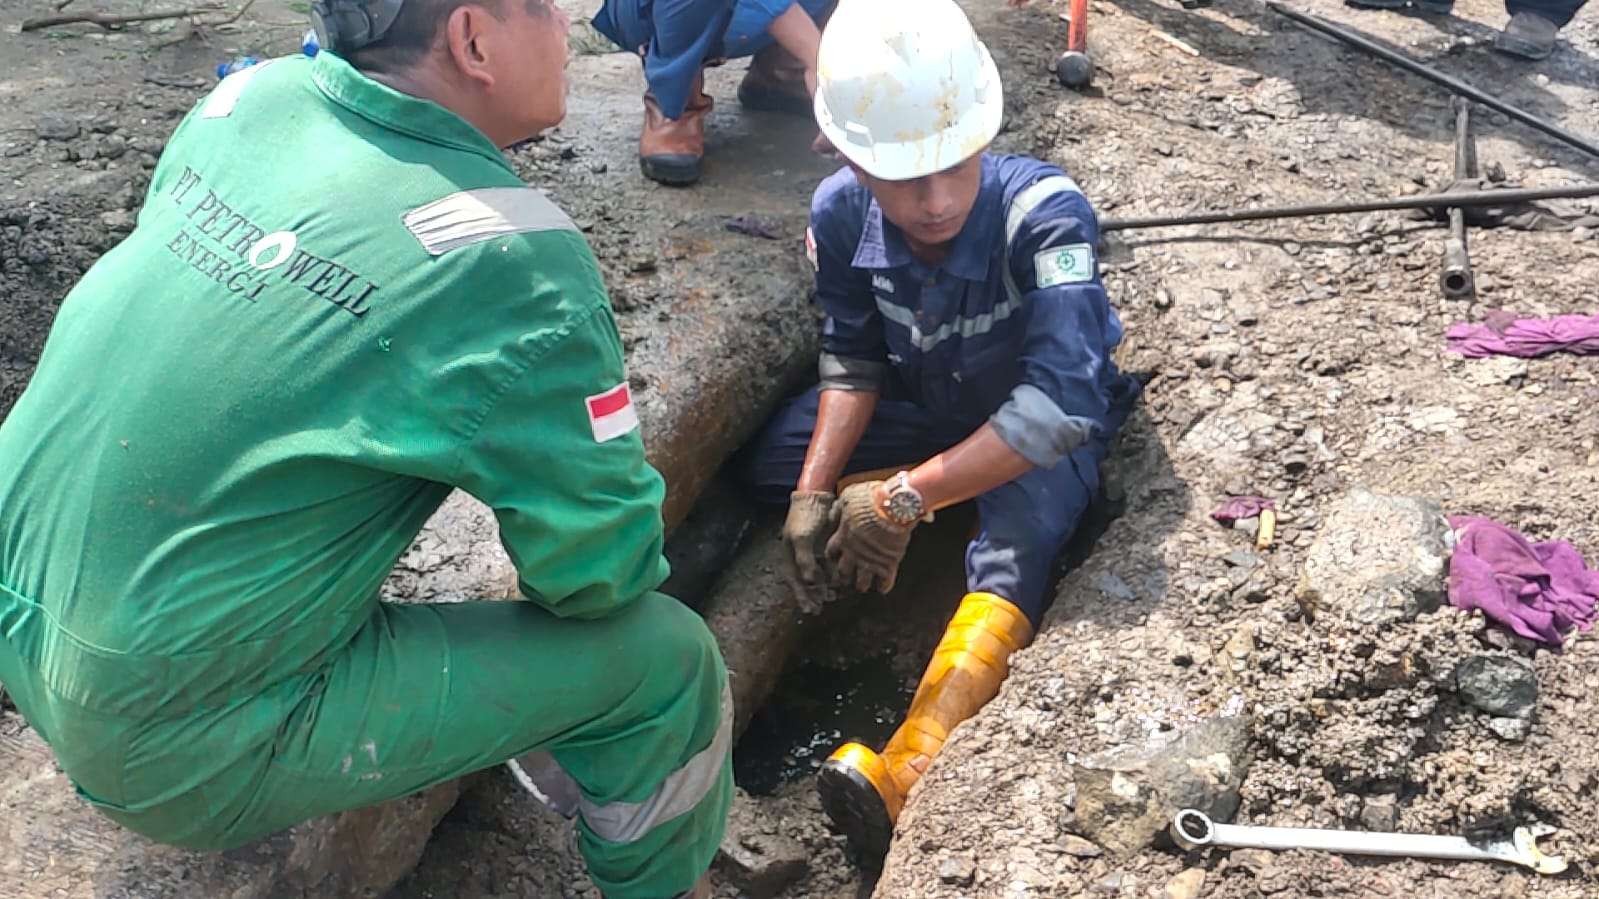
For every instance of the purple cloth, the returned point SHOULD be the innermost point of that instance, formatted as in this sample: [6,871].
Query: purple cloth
[1539,590]
[1504,335]
[1239,507]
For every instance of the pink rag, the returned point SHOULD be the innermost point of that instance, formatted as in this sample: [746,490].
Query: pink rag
[1240,507]
[1539,590]
[1504,335]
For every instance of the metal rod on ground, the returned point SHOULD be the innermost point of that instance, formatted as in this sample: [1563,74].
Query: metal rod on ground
[1462,198]
[1456,280]
[1584,144]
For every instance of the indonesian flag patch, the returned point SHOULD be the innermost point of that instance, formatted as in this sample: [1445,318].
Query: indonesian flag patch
[810,248]
[611,414]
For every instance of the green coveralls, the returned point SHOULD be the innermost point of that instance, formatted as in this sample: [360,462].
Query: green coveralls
[340,303]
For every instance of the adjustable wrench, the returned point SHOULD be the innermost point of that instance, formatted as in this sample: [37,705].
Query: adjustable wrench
[1193,828]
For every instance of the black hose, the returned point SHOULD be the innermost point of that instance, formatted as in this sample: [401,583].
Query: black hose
[1435,76]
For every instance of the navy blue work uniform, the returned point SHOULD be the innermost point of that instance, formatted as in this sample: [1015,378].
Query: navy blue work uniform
[1012,329]
[678,37]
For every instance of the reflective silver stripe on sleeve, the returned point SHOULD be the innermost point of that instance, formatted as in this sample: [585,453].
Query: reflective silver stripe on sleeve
[1028,200]
[1020,207]
[627,822]
[225,96]
[843,373]
[471,216]
[1031,424]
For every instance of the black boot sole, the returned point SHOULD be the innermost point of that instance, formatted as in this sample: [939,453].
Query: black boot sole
[676,171]
[852,803]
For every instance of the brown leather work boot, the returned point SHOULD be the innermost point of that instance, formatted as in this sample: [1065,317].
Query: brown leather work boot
[863,791]
[775,82]
[670,150]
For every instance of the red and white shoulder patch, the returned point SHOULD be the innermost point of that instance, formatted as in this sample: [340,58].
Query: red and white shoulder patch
[612,414]
[810,248]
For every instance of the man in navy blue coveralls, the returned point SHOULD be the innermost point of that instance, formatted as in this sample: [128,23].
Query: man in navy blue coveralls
[966,344]
[1007,340]
[983,337]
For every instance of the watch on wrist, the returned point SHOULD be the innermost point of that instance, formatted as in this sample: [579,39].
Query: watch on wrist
[903,503]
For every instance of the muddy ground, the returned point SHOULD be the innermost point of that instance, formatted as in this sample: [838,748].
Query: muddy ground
[1294,359]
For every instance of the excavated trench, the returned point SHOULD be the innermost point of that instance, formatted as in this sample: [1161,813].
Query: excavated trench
[849,672]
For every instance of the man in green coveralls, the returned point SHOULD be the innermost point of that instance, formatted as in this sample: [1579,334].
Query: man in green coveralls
[340,304]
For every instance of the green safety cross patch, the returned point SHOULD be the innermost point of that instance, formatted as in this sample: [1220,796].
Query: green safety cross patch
[1072,264]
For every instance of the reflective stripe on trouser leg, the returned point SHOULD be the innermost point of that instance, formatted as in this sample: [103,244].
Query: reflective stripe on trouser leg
[683,789]
[657,774]
[1025,523]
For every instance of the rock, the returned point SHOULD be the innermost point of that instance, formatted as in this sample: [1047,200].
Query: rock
[1502,686]
[755,855]
[957,870]
[1185,885]
[1377,560]
[112,147]
[1380,813]
[57,127]
[1512,729]
[1077,846]
[1110,883]
[58,845]
[1113,586]
[1127,797]
[1236,651]
[1241,558]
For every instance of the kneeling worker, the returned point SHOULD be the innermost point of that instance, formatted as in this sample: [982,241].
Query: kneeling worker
[339,304]
[966,330]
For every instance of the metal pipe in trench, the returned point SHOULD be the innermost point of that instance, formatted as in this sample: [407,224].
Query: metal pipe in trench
[1458,199]
[1449,81]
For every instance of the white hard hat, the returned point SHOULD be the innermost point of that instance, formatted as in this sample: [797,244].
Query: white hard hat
[904,88]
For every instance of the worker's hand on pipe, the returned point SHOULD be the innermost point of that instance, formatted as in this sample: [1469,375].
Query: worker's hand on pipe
[810,521]
[866,548]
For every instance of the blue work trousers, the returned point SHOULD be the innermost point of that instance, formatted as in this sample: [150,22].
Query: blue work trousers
[678,37]
[1559,12]
[1023,524]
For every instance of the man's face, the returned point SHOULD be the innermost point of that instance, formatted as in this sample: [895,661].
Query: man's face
[932,209]
[529,56]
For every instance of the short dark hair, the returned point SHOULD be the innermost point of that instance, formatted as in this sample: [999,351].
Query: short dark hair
[416,29]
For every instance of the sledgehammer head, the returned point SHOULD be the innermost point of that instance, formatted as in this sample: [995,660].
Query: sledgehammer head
[1074,69]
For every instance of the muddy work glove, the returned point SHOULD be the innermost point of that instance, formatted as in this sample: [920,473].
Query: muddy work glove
[810,521]
[866,549]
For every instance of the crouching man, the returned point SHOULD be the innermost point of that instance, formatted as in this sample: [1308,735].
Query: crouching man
[966,354]
[340,304]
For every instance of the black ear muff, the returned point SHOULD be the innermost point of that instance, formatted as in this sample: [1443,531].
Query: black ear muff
[348,25]
[326,26]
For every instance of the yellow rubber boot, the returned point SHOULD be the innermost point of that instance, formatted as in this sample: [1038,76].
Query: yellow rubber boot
[863,791]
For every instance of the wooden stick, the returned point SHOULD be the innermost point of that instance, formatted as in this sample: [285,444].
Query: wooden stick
[107,21]
[237,14]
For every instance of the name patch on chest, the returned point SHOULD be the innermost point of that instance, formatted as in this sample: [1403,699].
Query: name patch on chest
[1071,264]
[882,284]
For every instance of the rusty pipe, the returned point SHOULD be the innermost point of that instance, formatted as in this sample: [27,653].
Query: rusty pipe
[1456,279]
[1454,198]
